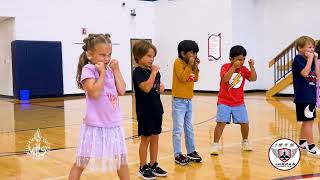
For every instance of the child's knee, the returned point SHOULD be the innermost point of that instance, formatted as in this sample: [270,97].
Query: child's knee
[145,139]
[244,125]
[221,124]
[155,137]
[309,123]
[177,130]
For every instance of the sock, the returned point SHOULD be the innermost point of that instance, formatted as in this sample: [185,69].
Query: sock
[310,146]
[301,141]
[141,167]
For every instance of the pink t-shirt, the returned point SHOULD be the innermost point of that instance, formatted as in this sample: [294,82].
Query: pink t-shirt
[103,111]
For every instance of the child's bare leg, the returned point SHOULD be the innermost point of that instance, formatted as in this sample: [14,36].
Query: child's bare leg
[218,131]
[75,172]
[306,131]
[244,130]
[123,172]
[143,149]
[154,149]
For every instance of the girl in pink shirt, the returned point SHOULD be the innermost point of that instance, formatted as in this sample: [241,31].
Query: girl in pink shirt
[102,142]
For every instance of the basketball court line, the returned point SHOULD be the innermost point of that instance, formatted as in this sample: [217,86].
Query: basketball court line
[5,154]
[171,156]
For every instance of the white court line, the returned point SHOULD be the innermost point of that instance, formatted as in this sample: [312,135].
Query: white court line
[170,156]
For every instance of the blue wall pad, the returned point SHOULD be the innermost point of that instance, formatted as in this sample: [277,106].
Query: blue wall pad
[37,67]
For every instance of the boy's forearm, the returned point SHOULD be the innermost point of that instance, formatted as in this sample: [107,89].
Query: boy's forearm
[183,74]
[147,85]
[195,67]
[228,75]
[196,77]
[306,70]
[253,76]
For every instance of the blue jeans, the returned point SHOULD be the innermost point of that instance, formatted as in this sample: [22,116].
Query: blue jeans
[182,119]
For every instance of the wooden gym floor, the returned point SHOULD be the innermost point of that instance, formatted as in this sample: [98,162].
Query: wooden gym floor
[59,122]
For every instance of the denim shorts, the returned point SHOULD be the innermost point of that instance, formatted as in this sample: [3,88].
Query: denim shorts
[238,113]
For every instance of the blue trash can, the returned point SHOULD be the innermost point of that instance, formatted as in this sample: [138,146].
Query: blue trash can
[24,95]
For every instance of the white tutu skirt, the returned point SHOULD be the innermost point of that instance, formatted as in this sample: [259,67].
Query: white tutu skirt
[101,149]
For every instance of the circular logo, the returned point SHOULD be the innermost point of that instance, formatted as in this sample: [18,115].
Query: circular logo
[284,154]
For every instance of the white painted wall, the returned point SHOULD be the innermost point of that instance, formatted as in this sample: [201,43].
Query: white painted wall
[263,27]
[246,34]
[180,20]
[7,34]
[273,26]
[284,21]
[52,21]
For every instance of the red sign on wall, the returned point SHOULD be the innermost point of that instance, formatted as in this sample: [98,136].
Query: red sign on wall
[214,46]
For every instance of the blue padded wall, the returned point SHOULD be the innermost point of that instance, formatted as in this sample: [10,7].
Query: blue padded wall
[37,66]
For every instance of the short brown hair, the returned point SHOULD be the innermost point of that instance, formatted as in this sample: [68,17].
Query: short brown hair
[141,48]
[302,41]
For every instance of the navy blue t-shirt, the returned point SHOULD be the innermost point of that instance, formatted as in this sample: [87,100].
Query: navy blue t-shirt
[304,87]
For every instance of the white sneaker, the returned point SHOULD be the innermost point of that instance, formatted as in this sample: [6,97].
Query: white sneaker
[246,146]
[315,151]
[214,149]
[304,146]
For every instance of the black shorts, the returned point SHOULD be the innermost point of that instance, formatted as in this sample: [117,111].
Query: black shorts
[305,111]
[148,126]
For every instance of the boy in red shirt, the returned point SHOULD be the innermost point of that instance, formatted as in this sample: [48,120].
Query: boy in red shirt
[230,98]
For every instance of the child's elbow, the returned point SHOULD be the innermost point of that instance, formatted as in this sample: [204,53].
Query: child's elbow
[225,80]
[253,79]
[93,94]
[182,78]
[122,92]
[146,90]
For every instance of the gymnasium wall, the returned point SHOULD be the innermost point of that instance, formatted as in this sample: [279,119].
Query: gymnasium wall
[284,21]
[264,27]
[62,21]
[192,20]
[6,36]
[245,23]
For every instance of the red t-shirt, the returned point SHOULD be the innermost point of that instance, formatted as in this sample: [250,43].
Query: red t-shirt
[231,93]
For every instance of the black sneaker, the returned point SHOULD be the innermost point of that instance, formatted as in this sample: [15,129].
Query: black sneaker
[181,159]
[146,173]
[194,156]
[157,171]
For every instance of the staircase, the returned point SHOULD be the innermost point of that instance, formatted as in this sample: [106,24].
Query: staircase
[282,69]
